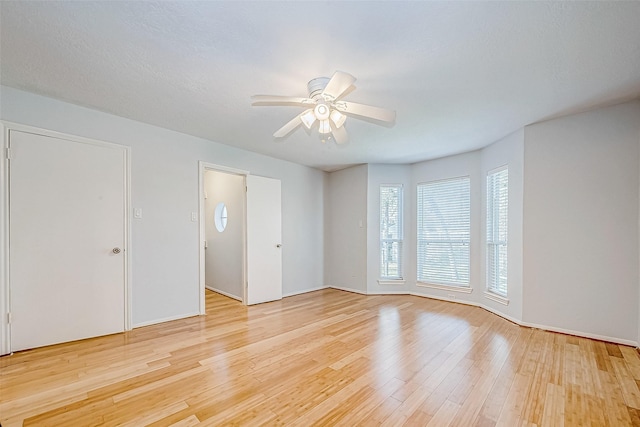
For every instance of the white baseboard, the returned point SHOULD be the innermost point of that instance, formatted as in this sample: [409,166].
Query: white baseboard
[533,325]
[504,316]
[439,298]
[357,291]
[166,319]
[390,293]
[581,334]
[226,294]
[304,291]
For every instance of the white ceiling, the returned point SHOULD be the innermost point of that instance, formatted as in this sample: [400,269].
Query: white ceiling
[459,74]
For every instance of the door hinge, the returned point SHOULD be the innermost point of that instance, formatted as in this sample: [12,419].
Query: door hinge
[9,318]
[8,153]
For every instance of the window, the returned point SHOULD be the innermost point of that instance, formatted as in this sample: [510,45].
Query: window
[220,217]
[444,231]
[391,232]
[497,207]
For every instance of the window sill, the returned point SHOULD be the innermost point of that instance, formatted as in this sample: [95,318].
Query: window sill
[462,289]
[390,281]
[496,298]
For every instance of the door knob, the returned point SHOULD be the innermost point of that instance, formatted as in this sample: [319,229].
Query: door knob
[278,245]
[116,250]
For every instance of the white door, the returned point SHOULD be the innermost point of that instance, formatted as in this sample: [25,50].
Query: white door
[66,240]
[264,237]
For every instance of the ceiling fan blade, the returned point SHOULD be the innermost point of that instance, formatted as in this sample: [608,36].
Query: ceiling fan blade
[368,111]
[280,100]
[290,126]
[338,84]
[340,135]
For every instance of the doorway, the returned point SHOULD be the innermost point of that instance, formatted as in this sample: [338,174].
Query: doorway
[224,224]
[260,220]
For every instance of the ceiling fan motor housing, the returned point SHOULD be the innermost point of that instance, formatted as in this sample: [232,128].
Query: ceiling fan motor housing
[316,86]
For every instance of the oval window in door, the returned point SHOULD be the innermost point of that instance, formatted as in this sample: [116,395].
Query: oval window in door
[220,217]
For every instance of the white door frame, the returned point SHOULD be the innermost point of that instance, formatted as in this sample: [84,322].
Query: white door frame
[5,289]
[202,168]
[5,343]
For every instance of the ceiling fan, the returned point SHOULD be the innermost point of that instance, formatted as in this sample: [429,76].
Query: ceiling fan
[325,106]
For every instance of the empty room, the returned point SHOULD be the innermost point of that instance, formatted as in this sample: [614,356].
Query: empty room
[319,213]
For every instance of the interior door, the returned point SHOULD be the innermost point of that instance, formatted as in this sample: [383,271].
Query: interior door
[264,238]
[66,240]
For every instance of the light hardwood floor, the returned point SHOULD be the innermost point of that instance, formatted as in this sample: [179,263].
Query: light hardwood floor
[326,358]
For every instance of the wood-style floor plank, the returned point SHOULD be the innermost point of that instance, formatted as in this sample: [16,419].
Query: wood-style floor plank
[326,358]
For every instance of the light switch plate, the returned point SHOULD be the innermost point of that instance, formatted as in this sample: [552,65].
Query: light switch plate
[137,213]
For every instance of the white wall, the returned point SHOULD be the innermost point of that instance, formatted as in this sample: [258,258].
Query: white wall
[165,185]
[225,250]
[581,222]
[388,174]
[347,229]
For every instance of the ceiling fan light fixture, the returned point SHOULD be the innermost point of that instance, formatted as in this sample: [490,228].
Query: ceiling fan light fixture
[337,118]
[308,118]
[325,127]
[322,111]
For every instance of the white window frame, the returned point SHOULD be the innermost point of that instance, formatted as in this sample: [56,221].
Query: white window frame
[387,278]
[463,285]
[493,240]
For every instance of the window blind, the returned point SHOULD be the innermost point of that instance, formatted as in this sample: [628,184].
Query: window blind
[497,221]
[391,232]
[444,232]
